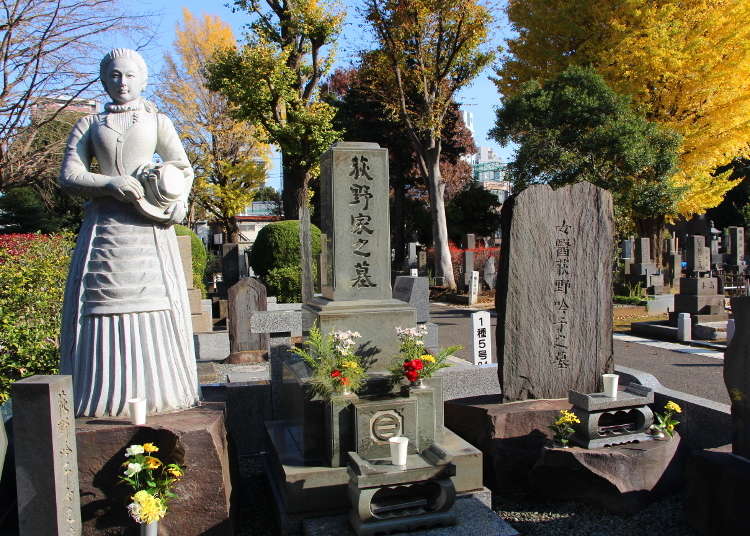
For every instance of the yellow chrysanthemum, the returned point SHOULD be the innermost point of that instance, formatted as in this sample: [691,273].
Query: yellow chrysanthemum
[146,508]
[672,406]
[150,447]
[427,357]
[151,463]
[351,365]
[175,472]
[567,417]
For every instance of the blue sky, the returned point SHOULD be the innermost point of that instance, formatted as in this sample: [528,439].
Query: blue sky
[480,98]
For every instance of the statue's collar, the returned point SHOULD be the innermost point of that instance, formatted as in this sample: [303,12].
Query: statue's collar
[133,106]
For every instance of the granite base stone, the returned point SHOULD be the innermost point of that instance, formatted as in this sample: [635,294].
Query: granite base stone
[211,346]
[195,438]
[463,380]
[475,518]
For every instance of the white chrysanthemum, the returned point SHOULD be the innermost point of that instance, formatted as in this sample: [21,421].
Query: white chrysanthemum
[133,450]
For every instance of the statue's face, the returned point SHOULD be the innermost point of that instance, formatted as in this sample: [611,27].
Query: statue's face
[123,80]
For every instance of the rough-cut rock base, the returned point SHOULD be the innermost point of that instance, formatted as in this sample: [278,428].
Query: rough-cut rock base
[717,483]
[621,479]
[195,438]
[511,436]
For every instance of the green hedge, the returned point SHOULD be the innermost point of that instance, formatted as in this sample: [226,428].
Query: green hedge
[200,257]
[33,269]
[275,258]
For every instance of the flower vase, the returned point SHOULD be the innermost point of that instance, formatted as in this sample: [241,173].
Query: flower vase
[346,391]
[149,529]
[417,384]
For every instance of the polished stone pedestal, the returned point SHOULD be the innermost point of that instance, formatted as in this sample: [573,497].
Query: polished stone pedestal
[195,438]
[305,491]
[475,518]
[376,320]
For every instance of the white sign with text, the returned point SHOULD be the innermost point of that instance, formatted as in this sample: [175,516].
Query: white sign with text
[480,336]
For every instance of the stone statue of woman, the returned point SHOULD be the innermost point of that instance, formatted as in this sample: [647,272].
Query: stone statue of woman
[126,329]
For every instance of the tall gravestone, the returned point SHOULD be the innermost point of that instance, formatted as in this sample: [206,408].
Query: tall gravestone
[554,292]
[737,376]
[736,247]
[46,459]
[246,297]
[356,288]
[698,255]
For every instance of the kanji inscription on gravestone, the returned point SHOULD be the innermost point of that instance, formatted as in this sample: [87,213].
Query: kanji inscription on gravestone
[560,329]
[554,296]
[358,241]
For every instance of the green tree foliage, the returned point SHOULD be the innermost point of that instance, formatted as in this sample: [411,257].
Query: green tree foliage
[575,128]
[473,210]
[33,269]
[275,258]
[199,257]
[273,81]
[22,210]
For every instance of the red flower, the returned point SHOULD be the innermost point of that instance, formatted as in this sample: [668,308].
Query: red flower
[418,365]
[344,380]
[411,375]
[335,374]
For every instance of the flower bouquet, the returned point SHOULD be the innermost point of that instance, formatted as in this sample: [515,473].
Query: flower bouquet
[414,363]
[563,427]
[337,369]
[666,424]
[152,482]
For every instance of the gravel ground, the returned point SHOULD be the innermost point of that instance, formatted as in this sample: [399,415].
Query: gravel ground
[665,517]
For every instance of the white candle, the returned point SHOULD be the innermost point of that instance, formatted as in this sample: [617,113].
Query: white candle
[399,448]
[610,385]
[137,407]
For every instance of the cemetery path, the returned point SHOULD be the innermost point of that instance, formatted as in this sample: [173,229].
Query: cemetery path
[682,368]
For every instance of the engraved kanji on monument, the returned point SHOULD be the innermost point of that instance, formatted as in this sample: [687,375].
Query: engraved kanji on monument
[554,294]
[354,215]
[46,456]
[698,255]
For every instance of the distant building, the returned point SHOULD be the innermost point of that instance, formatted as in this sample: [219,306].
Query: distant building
[490,173]
[47,105]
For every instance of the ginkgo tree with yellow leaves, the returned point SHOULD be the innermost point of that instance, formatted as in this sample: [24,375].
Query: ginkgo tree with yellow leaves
[229,161]
[685,64]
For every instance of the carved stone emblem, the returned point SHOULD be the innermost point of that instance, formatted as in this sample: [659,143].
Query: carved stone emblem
[384,425]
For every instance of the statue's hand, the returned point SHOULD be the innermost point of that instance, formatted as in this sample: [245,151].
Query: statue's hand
[124,188]
[177,213]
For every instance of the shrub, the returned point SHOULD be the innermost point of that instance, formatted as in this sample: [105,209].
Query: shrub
[200,257]
[277,245]
[275,258]
[33,269]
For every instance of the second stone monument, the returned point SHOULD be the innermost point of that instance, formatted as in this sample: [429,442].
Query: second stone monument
[554,292]
[356,285]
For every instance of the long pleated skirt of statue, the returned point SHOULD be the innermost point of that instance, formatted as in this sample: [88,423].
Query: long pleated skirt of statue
[126,329]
